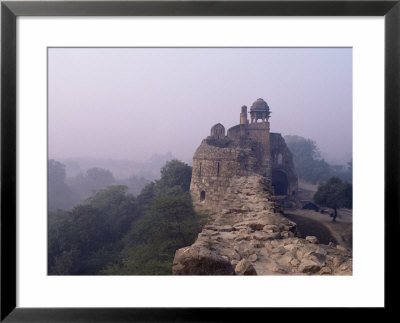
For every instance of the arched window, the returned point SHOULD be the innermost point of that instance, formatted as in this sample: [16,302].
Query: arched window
[202,196]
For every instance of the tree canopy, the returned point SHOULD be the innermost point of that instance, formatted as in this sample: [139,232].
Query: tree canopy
[84,240]
[168,223]
[334,194]
[175,173]
[113,232]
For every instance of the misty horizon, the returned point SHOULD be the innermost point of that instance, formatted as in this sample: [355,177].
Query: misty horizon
[133,103]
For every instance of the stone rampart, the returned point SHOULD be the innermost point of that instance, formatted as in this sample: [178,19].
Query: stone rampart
[250,236]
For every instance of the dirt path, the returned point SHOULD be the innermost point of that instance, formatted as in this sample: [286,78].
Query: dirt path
[321,225]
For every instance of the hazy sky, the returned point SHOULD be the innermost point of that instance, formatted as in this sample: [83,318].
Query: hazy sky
[129,103]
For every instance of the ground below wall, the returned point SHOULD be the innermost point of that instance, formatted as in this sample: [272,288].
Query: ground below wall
[249,236]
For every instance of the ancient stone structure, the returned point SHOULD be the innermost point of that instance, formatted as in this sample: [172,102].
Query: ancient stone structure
[249,236]
[284,178]
[247,148]
[238,178]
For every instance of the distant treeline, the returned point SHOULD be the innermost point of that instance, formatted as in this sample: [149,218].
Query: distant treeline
[121,168]
[310,166]
[67,192]
[115,233]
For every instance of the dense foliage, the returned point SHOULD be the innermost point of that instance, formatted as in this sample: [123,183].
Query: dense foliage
[308,162]
[334,194]
[115,233]
[84,240]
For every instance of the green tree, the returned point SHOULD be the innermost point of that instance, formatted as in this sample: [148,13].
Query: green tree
[113,232]
[119,206]
[169,224]
[88,238]
[71,245]
[146,194]
[334,194]
[175,173]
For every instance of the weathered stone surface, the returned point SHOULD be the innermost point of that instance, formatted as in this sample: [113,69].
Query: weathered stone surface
[253,257]
[312,239]
[227,228]
[325,271]
[245,268]
[264,236]
[294,262]
[270,228]
[200,261]
[234,179]
[275,267]
[287,234]
[309,266]
[247,232]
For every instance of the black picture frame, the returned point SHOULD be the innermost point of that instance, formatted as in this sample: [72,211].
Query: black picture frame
[10,10]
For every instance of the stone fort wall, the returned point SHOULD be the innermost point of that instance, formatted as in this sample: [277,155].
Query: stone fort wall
[249,236]
[214,165]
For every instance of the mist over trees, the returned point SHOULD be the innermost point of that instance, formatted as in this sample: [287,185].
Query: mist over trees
[91,180]
[73,180]
[65,193]
[60,195]
[132,225]
[120,168]
[114,232]
[309,164]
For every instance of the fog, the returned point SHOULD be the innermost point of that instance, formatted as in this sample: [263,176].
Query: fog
[132,103]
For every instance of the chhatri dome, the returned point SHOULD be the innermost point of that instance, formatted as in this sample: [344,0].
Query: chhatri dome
[259,110]
[259,105]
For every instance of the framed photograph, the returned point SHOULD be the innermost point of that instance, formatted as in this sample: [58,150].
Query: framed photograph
[210,140]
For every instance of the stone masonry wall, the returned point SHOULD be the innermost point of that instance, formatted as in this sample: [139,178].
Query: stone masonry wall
[213,168]
[249,236]
[215,163]
[259,132]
